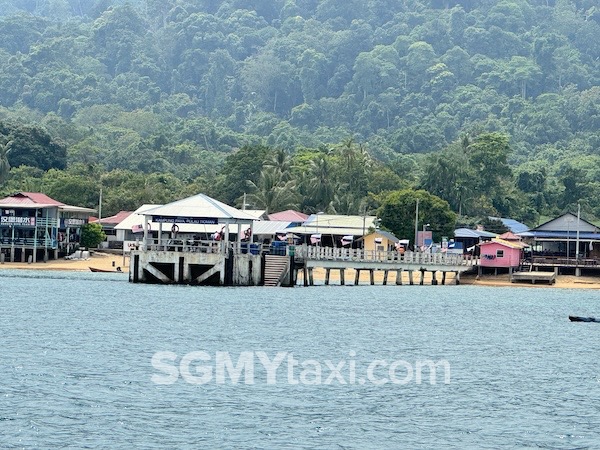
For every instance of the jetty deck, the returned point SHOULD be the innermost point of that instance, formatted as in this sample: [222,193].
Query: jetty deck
[308,258]
[243,264]
[534,277]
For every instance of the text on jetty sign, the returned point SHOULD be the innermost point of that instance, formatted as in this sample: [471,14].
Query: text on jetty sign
[186,220]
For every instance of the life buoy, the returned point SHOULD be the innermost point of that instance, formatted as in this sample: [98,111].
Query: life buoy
[175,228]
[248,233]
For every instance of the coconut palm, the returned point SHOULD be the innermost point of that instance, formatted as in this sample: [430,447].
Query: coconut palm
[320,187]
[4,164]
[272,191]
[281,161]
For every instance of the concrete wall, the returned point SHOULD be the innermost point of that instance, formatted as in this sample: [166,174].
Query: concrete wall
[247,268]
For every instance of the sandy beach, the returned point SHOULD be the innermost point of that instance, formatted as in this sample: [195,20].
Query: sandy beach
[107,261]
[98,260]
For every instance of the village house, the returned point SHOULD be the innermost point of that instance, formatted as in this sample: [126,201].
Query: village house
[565,242]
[108,224]
[504,252]
[35,227]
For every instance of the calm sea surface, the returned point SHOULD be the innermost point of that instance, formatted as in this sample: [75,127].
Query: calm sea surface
[76,366]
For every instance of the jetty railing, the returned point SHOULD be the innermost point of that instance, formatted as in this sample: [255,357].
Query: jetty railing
[352,254]
[564,261]
[308,252]
[206,246]
[185,245]
[29,242]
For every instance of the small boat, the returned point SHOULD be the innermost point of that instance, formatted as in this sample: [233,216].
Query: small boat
[94,269]
[583,319]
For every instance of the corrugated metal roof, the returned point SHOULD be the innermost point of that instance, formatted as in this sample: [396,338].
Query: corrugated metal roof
[567,222]
[116,219]
[511,224]
[270,226]
[560,235]
[289,215]
[509,236]
[382,233]
[39,200]
[26,205]
[81,209]
[505,243]
[326,230]
[474,234]
[135,220]
[256,213]
[387,234]
[199,206]
[30,198]
[339,221]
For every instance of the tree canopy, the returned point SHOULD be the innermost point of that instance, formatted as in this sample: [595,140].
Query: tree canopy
[493,107]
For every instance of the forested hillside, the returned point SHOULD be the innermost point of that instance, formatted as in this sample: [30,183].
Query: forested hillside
[494,106]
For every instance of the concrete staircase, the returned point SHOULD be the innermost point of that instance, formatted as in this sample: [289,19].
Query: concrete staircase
[276,267]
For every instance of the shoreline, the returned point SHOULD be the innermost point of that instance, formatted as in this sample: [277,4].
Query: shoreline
[99,260]
[110,262]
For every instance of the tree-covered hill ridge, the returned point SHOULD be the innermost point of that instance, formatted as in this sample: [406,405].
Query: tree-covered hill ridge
[174,86]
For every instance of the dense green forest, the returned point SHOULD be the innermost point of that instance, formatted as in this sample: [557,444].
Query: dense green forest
[323,105]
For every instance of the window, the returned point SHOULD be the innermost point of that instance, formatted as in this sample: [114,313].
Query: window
[499,253]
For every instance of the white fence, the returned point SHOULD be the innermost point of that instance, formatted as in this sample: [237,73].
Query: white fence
[351,254]
[309,252]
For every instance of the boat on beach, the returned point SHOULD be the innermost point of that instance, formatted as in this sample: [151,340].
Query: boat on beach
[94,269]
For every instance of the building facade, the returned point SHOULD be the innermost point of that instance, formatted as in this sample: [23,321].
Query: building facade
[35,227]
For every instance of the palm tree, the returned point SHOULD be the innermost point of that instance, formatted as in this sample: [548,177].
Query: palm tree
[281,161]
[272,191]
[319,185]
[4,164]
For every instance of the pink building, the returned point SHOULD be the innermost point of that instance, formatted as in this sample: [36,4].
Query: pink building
[500,253]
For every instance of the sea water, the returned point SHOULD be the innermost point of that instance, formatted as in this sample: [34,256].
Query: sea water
[92,361]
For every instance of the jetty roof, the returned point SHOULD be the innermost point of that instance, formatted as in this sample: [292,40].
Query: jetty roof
[201,206]
[135,221]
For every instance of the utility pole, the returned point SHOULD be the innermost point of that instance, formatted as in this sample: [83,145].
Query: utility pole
[577,238]
[416,223]
[100,207]
[364,225]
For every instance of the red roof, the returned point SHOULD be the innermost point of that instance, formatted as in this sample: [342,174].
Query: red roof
[30,198]
[289,216]
[116,219]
